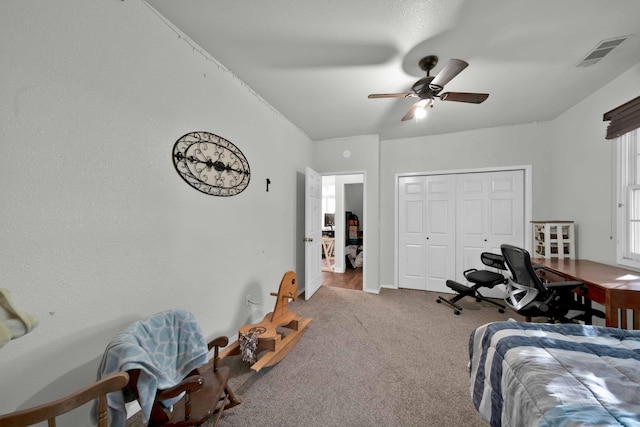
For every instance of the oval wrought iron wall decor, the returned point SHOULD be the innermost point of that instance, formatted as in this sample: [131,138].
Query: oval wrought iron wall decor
[211,164]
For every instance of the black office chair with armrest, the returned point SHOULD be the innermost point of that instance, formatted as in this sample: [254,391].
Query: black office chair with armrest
[529,296]
[480,279]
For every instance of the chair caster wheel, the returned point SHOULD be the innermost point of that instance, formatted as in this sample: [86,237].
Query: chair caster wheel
[438,301]
[478,300]
[500,310]
[456,312]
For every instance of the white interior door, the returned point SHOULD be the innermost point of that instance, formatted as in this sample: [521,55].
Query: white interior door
[440,231]
[313,233]
[490,212]
[426,235]
[411,234]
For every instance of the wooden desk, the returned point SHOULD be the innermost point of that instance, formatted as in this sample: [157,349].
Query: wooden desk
[617,289]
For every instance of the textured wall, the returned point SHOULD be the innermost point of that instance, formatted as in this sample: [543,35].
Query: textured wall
[482,148]
[583,164]
[97,229]
[363,157]
[571,166]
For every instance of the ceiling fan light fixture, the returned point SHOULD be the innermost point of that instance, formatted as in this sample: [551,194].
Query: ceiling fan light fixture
[429,87]
[421,108]
[425,102]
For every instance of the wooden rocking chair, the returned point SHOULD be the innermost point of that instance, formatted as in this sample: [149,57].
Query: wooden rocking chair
[49,411]
[165,356]
[206,393]
[276,344]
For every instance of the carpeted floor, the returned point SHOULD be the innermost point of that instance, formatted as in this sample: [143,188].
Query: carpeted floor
[393,359]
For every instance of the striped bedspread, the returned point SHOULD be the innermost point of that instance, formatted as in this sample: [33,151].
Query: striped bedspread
[529,374]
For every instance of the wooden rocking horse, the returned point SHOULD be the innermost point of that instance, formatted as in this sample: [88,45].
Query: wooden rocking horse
[276,344]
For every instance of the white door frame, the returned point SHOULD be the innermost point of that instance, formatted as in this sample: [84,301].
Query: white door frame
[364,224]
[528,200]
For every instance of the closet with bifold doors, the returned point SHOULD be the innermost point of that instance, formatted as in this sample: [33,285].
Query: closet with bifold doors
[445,221]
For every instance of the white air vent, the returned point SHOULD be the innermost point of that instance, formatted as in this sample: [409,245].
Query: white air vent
[601,50]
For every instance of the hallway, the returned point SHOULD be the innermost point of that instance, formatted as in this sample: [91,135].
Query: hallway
[350,279]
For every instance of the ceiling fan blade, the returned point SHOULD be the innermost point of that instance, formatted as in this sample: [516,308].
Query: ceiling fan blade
[412,111]
[450,70]
[472,98]
[392,95]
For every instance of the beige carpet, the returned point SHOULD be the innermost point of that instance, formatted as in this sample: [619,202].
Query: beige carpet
[393,359]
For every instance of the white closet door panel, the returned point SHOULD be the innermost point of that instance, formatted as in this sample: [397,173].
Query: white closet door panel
[412,267]
[470,257]
[446,221]
[439,267]
[499,220]
[502,220]
[506,208]
[473,218]
[441,230]
[415,257]
[414,217]
[411,239]
[471,231]
[439,184]
[438,217]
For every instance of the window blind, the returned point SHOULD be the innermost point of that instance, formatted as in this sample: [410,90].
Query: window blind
[623,119]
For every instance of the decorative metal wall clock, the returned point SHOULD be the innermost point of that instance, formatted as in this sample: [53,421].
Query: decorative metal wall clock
[211,164]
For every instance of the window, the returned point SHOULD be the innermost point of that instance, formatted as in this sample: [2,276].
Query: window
[328,194]
[628,196]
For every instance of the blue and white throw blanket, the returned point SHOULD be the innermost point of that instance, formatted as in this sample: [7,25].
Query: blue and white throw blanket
[528,374]
[165,347]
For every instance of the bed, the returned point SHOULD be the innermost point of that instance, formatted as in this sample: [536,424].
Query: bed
[531,374]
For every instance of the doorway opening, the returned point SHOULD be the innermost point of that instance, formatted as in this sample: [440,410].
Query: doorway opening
[343,231]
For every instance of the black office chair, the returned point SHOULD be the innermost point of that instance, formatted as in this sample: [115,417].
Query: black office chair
[480,279]
[529,296]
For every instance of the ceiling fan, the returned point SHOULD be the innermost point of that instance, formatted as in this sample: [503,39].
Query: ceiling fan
[429,87]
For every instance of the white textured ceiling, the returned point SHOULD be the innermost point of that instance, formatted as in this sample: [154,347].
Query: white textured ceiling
[316,61]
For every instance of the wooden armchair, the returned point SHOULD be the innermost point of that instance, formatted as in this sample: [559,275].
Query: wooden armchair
[206,393]
[49,411]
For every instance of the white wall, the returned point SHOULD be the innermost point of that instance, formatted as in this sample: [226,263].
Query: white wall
[353,199]
[98,230]
[571,167]
[494,147]
[365,158]
[584,170]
